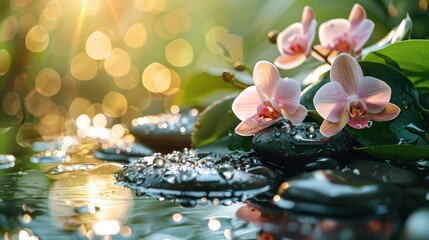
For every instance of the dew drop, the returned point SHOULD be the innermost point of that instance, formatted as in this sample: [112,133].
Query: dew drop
[405,104]
[226,171]
[159,162]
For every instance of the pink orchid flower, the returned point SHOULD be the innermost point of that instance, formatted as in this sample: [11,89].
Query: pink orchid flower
[352,98]
[294,43]
[341,35]
[271,97]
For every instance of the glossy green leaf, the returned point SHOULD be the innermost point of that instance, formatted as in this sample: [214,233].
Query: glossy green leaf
[410,127]
[402,152]
[409,57]
[215,128]
[399,33]
[203,88]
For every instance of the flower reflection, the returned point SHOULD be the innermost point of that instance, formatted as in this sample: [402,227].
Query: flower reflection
[276,223]
[90,203]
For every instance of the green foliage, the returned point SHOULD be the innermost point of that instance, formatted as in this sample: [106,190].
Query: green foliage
[410,58]
[203,89]
[215,129]
[403,152]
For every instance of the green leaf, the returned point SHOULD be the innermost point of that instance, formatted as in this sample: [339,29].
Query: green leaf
[410,127]
[203,88]
[397,152]
[215,129]
[399,33]
[409,57]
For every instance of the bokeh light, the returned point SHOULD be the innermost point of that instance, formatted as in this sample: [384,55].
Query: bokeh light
[98,45]
[118,63]
[82,67]
[4,61]
[179,52]
[48,82]
[135,36]
[37,39]
[114,104]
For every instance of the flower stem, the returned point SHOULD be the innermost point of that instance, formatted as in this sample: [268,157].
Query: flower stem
[325,58]
[229,77]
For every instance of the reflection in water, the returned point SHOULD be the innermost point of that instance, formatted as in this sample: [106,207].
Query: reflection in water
[91,204]
[275,223]
[7,161]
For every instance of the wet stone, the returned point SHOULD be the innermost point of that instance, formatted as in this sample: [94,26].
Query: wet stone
[383,172]
[195,178]
[165,132]
[321,164]
[127,152]
[292,146]
[336,193]
[276,223]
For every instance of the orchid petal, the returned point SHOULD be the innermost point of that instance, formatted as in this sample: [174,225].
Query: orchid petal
[290,61]
[362,33]
[374,92]
[390,112]
[288,94]
[357,15]
[252,125]
[309,37]
[346,70]
[331,29]
[246,103]
[297,116]
[307,18]
[265,77]
[284,37]
[329,129]
[330,101]
[359,123]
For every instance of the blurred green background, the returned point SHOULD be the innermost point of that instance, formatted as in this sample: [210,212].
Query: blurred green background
[62,59]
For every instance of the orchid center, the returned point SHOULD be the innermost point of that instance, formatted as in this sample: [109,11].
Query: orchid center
[268,110]
[343,43]
[297,44]
[356,108]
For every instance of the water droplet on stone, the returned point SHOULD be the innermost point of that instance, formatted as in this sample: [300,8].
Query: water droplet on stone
[187,174]
[405,104]
[159,162]
[226,171]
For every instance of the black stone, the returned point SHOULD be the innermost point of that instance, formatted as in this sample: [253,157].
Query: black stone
[383,172]
[276,223]
[291,146]
[166,132]
[336,193]
[191,178]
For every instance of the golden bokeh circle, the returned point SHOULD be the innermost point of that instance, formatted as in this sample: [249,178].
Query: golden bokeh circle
[82,67]
[129,80]
[78,107]
[156,78]
[37,39]
[48,82]
[136,35]
[118,63]
[179,52]
[114,104]
[4,61]
[98,45]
